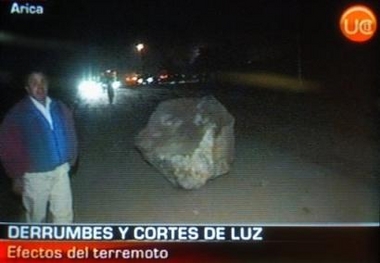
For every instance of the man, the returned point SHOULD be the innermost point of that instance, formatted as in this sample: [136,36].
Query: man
[37,146]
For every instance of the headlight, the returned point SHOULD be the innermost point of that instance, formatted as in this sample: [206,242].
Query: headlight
[116,84]
[90,89]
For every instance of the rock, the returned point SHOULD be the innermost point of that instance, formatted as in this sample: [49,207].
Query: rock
[189,140]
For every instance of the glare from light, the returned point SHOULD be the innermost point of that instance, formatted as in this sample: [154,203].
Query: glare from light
[90,90]
[116,84]
[150,79]
[140,81]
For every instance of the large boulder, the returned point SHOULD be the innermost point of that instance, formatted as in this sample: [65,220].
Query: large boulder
[189,140]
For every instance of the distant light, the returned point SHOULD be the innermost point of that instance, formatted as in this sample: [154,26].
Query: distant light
[139,47]
[150,80]
[140,81]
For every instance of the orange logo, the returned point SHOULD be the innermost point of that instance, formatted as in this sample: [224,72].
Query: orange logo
[358,23]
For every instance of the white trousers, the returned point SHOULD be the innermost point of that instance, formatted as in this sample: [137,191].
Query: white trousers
[48,190]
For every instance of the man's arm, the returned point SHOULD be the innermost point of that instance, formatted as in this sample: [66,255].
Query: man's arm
[72,135]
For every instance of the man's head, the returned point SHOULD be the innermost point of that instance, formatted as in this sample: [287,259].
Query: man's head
[37,86]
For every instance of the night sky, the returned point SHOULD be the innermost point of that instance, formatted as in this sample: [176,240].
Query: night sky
[172,20]
[121,20]
[104,33]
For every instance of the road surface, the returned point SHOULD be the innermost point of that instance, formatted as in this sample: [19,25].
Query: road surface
[301,158]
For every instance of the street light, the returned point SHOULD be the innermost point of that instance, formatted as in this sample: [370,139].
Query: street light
[140,47]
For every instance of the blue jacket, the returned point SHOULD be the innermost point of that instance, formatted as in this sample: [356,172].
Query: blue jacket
[28,144]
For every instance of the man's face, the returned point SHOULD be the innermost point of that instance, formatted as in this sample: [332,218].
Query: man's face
[37,87]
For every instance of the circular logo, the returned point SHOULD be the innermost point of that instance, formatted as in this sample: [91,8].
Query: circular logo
[358,23]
